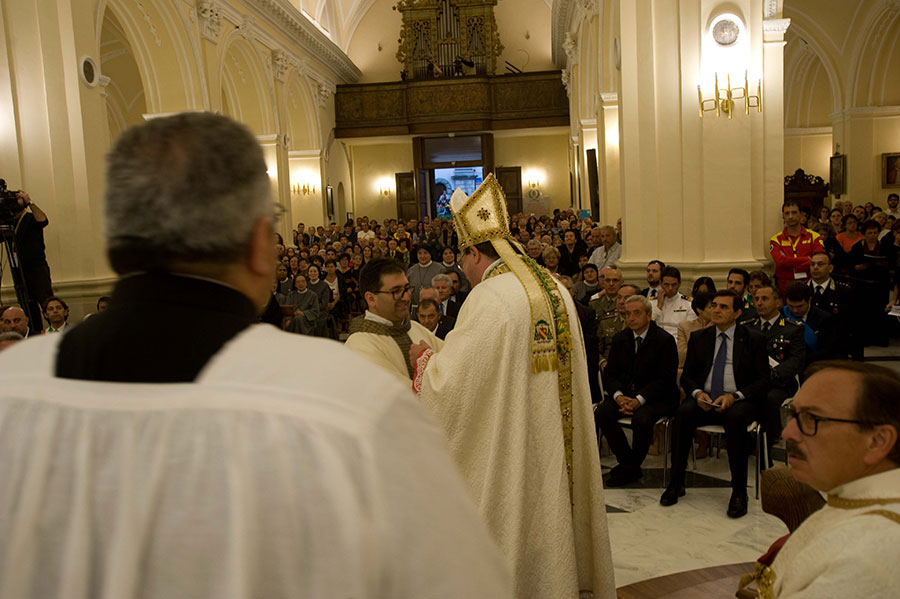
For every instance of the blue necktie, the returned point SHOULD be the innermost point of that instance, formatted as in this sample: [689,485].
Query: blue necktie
[441,306]
[717,387]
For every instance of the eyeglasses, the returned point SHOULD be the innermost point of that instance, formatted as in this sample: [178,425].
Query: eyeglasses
[397,293]
[808,423]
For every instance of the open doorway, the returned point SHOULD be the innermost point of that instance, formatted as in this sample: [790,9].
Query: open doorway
[447,180]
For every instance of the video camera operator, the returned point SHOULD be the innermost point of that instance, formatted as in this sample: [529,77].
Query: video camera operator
[29,223]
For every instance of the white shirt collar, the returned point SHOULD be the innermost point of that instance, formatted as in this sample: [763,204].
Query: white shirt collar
[379,319]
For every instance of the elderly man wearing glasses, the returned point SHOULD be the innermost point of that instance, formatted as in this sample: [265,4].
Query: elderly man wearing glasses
[842,440]
[385,332]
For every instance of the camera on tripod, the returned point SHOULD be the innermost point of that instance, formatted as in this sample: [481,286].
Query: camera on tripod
[9,204]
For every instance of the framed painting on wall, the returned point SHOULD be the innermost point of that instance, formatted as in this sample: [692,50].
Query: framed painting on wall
[837,183]
[890,170]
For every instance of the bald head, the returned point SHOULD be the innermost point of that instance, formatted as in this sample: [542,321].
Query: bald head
[14,320]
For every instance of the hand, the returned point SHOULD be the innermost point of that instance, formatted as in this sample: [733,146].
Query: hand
[702,399]
[723,402]
[416,349]
[629,405]
[24,198]
[298,312]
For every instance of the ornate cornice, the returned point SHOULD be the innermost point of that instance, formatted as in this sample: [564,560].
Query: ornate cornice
[778,26]
[289,21]
[563,13]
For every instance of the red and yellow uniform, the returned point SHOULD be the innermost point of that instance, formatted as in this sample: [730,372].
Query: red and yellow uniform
[791,255]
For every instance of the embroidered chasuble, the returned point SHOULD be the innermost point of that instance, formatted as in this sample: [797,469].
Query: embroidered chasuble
[849,548]
[387,345]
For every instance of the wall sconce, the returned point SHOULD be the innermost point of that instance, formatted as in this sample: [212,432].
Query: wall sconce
[533,179]
[304,189]
[724,98]
[384,186]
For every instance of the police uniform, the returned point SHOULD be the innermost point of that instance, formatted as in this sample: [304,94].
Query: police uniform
[748,312]
[785,345]
[836,299]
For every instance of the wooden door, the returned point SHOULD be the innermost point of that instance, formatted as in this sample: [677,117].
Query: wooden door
[510,179]
[407,200]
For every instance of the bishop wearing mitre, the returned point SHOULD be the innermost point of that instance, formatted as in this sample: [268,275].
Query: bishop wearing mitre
[510,390]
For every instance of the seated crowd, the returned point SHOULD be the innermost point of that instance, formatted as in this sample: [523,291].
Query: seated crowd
[716,356]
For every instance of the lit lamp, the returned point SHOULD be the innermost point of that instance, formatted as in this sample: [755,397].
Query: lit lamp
[723,102]
[726,47]
[384,186]
[304,189]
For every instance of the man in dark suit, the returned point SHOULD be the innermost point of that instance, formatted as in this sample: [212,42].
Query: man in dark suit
[654,278]
[641,380]
[429,317]
[784,345]
[835,298]
[457,295]
[725,379]
[820,331]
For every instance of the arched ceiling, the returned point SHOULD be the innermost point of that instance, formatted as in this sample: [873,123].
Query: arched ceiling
[367,31]
[848,48]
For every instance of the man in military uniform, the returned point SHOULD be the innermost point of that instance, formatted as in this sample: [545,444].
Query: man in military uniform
[835,298]
[605,305]
[785,345]
[615,323]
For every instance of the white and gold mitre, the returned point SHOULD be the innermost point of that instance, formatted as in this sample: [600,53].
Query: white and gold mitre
[482,216]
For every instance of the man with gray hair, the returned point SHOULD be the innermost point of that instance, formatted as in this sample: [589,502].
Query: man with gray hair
[609,251]
[443,285]
[195,453]
[641,380]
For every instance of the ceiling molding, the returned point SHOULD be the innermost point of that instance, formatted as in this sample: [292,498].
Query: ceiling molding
[289,21]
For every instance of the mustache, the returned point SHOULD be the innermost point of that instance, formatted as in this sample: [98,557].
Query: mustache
[792,449]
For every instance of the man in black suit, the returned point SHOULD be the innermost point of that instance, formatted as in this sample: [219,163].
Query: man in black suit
[820,330]
[457,295]
[835,298]
[725,379]
[429,317]
[444,287]
[654,278]
[641,380]
[784,345]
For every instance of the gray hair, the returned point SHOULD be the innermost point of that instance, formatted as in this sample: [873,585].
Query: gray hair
[189,187]
[11,336]
[648,307]
[534,242]
[441,277]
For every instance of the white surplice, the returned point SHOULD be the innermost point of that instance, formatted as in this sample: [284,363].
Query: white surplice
[505,430]
[384,351]
[276,474]
[848,548]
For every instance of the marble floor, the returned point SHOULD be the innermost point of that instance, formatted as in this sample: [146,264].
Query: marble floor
[649,540]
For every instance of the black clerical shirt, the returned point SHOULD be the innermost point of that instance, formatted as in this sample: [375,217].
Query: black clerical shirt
[159,328]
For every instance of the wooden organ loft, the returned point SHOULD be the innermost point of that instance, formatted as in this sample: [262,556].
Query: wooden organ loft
[448,38]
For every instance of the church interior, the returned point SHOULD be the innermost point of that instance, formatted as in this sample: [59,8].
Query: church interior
[686,120]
